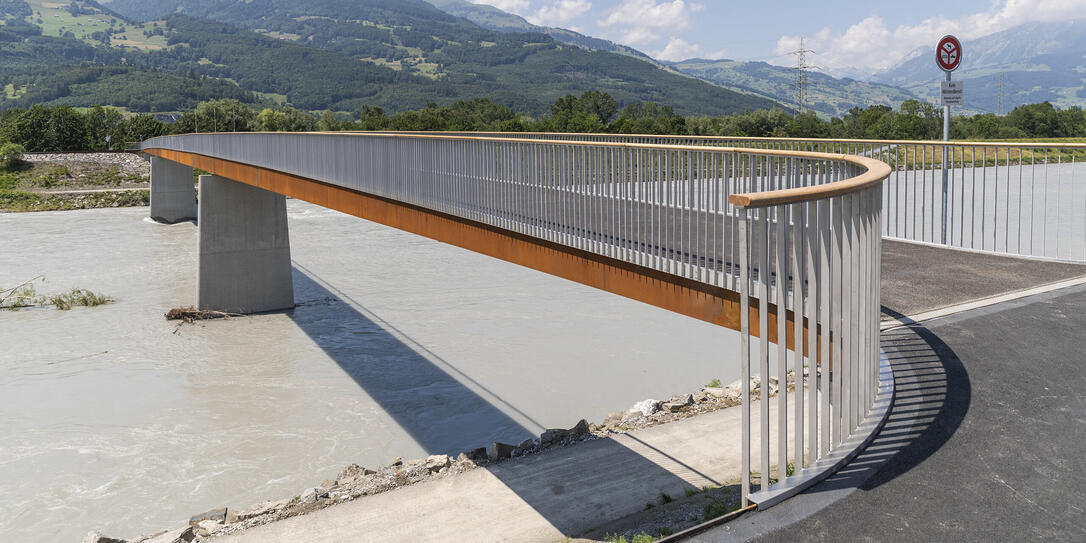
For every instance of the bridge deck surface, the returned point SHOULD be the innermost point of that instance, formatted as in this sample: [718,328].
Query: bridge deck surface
[920,278]
[988,431]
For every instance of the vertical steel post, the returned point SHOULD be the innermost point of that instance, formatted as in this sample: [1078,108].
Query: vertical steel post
[744,345]
[763,245]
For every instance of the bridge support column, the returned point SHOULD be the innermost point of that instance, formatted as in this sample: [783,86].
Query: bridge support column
[173,196]
[244,248]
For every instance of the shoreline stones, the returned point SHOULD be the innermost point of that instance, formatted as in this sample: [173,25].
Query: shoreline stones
[437,462]
[498,451]
[355,481]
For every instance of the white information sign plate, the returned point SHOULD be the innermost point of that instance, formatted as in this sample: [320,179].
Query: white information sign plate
[952,93]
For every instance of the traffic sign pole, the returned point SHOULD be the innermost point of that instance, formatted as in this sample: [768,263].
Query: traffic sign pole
[946,154]
[948,56]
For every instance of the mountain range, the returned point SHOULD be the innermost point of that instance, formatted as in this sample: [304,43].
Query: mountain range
[825,94]
[322,54]
[1038,62]
[167,55]
[492,18]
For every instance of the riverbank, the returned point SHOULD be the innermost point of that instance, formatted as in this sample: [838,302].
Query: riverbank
[67,181]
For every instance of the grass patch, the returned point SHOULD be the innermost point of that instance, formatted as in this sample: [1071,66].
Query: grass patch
[665,498]
[718,508]
[111,177]
[21,201]
[50,177]
[639,538]
[77,297]
[26,295]
[715,383]
[8,181]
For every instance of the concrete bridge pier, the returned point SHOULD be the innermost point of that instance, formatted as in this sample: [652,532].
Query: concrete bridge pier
[173,196]
[244,248]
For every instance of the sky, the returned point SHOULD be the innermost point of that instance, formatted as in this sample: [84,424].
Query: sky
[848,37]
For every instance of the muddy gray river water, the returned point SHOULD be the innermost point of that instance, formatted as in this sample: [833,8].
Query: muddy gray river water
[113,418]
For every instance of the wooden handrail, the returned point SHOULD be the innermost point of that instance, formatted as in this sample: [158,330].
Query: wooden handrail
[1026,144]
[877,172]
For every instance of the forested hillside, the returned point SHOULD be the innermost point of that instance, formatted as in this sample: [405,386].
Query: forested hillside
[396,54]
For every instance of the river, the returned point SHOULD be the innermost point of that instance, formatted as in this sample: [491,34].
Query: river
[113,418]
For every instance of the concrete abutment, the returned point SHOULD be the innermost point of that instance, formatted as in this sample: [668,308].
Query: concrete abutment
[244,248]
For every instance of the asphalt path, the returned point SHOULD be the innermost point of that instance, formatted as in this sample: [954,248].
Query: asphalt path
[985,441]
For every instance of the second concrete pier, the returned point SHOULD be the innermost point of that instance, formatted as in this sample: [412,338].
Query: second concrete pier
[244,248]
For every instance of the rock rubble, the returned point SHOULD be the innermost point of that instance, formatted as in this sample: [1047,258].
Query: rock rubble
[126,163]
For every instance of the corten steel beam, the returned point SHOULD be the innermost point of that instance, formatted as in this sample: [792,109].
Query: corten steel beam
[687,297]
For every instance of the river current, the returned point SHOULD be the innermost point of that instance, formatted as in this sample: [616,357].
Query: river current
[113,418]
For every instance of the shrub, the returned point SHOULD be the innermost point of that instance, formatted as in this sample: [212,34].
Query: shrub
[11,154]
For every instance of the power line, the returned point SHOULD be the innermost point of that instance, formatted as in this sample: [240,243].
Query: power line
[801,82]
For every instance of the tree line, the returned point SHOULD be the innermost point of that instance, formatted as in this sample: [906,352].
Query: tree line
[63,128]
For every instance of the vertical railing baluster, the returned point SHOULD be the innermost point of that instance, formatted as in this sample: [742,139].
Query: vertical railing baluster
[744,248]
[763,247]
[781,267]
[799,280]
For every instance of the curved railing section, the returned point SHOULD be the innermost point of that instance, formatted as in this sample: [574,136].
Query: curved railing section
[791,236]
[1015,198]
[816,251]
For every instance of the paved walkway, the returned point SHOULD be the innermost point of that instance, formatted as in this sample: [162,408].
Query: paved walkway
[919,278]
[985,442]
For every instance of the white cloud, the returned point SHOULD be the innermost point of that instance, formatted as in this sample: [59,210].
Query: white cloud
[644,21]
[869,45]
[679,49]
[512,6]
[559,12]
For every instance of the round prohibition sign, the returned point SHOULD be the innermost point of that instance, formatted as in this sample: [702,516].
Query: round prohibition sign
[948,54]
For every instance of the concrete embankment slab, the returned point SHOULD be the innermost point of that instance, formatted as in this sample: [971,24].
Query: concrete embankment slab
[542,498]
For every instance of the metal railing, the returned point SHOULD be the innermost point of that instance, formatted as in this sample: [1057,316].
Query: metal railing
[791,227]
[662,207]
[1023,199]
[819,256]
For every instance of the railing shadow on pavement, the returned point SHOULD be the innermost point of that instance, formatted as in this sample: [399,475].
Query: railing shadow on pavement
[932,396]
[446,412]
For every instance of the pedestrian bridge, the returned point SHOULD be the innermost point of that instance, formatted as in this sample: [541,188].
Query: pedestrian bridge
[780,245]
